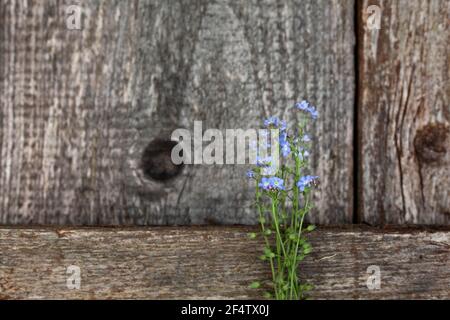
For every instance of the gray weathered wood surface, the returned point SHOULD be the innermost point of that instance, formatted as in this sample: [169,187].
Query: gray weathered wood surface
[78,107]
[217,262]
[404,113]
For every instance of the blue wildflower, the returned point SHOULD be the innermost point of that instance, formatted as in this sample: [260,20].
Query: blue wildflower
[284,144]
[305,106]
[272,121]
[306,182]
[306,138]
[250,174]
[303,154]
[283,137]
[285,149]
[272,183]
[265,183]
[314,113]
[277,183]
[275,122]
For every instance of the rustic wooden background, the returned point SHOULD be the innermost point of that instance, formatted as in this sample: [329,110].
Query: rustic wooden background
[80,107]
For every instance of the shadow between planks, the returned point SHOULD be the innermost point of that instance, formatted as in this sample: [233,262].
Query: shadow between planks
[217,263]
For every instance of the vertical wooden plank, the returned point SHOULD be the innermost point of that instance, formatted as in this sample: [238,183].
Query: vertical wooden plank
[80,107]
[404,113]
[253,59]
[65,100]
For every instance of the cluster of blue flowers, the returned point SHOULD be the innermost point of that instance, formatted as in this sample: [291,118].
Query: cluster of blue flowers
[275,183]
[281,182]
[274,122]
[305,106]
[272,183]
[306,182]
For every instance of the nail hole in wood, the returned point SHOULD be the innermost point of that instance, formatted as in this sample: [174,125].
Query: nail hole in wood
[156,162]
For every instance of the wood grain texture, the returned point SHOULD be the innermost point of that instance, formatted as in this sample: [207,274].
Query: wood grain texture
[404,114]
[217,262]
[78,107]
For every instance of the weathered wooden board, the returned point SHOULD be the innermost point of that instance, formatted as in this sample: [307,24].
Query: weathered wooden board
[217,262]
[79,107]
[404,113]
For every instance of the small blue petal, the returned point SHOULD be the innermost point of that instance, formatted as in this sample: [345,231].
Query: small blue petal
[285,149]
[308,108]
[306,138]
[306,182]
[272,183]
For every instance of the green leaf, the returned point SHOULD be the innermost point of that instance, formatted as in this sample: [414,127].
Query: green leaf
[309,287]
[267,295]
[262,257]
[267,232]
[307,249]
[306,287]
[268,253]
[255,285]
[311,227]
[252,235]
[262,220]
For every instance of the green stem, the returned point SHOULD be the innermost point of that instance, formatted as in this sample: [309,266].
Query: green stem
[297,244]
[294,219]
[279,241]
[261,216]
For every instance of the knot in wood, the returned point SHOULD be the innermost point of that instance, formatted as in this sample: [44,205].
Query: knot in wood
[156,162]
[431,143]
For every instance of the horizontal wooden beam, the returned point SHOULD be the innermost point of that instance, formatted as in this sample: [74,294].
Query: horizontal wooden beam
[216,262]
